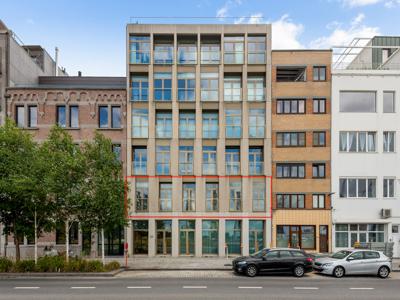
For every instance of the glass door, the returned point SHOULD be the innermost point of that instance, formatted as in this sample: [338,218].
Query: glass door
[323,238]
[164,237]
[186,237]
[294,237]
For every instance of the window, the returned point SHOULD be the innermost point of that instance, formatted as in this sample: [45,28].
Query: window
[233,49]
[142,195]
[290,200]
[295,236]
[357,102]
[357,141]
[186,86]
[32,116]
[318,170]
[258,192]
[62,116]
[116,148]
[209,160]
[185,160]
[139,160]
[290,74]
[319,106]
[233,88]
[235,196]
[290,106]
[163,54]
[348,234]
[140,123]
[256,235]
[187,53]
[162,160]
[139,49]
[187,125]
[20,116]
[115,117]
[388,187]
[210,237]
[318,201]
[388,141]
[162,86]
[140,237]
[255,88]
[187,239]
[164,236]
[233,236]
[74,116]
[256,161]
[209,87]
[371,255]
[212,196]
[210,53]
[357,187]
[291,139]
[232,160]
[233,123]
[210,125]
[139,88]
[165,196]
[189,197]
[319,139]
[256,123]
[73,233]
[319,73]
[256,49]
[290,170]
[163,124]
[389,105]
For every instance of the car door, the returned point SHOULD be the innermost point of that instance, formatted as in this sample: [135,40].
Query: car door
[286,261]
[354,263]
[371,262]
[270,261]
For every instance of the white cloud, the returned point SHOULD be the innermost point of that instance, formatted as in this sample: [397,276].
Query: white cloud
[392,3]
[358,3]
[30,21]
[222,12]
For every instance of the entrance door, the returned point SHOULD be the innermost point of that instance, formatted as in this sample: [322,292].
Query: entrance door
[164,242]
[396,240]
[294,237]
[187,242]
[323,238]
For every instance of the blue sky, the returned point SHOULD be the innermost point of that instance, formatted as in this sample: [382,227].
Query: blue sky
[91,33]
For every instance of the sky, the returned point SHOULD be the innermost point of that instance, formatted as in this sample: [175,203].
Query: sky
[91,33]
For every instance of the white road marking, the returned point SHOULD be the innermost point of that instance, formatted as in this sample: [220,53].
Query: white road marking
[306,288]
[26,287]
[194,287]
[138,287]
[362,288]
[82,287]
[249,287]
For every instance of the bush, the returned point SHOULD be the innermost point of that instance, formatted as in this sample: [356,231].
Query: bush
[111,266]
[5,264]
[76,265]
[24,266]
[94,266]
[51,264]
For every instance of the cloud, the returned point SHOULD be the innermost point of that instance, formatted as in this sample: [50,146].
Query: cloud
[223,11]
[358,3]
[30,21]
[392,3]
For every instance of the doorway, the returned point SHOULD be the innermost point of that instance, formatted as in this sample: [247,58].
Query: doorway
[164,237]
[323,238]
[396,240]
[186,237]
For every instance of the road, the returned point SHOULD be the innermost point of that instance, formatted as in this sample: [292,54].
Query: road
[220,287]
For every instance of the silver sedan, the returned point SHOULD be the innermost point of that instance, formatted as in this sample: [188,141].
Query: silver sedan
[354,262]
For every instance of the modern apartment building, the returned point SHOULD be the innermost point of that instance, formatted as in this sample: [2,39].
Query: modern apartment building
[81,105]
[365,144]
[199,139]
[301,160]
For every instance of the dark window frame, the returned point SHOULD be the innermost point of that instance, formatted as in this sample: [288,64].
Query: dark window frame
[58,107]
[29,125]
[319,69]
[319,112]
[318,165]
[290,165]
[278,206]
[297,139]
[278,101]
[319,133]
[112,116]
[69,113]
[108,113]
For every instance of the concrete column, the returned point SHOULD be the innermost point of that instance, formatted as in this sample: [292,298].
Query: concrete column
[198,238]
[152,237]
[221,238]
[175,237]
[247,195]
[245,237]
[129,235]
[268,233]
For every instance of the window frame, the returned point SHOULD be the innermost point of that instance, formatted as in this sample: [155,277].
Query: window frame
[321,102]
[30,123]
[357,179]
[317,168]
[290,166]
[280,136]
[319,73]
[316,201]
[297,101]
[319,134]
[300,198]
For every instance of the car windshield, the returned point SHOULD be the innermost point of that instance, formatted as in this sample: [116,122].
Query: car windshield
[341,254]
[260,253]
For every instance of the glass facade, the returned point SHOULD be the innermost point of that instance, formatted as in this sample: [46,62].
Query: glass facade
[346,235]
[256,236]
[139,49]
[210,237]
[233,236]
[140,237]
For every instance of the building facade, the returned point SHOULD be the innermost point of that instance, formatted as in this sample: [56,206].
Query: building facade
[301,163]
[365,145]
[199,143]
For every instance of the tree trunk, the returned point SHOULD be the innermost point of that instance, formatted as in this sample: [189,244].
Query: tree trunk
[67,241]
[36,240]
[17,250]
[102,247]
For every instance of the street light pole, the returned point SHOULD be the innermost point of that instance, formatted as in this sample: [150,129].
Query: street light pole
[36,252]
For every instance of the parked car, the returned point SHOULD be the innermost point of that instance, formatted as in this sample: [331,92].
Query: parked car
[354,262]
[279,260]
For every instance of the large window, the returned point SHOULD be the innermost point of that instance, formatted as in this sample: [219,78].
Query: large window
[210,237]
[163,54]
[20,116]
[233,236]
[139,160]
[255,88]
[186,87]
[319,106]
[256,123]
[187,232]
[209,160]
[74,116]
[210,125]
[290,106]
[258,193]
[140,237]
[319,73]
[212,193]
[210,53]
[187,125]
[235,196]
[162,160]
[318,201]
[140,123]
[165,196]
[256,235]
[142,195]
[233,88]
[256,49]
[357,141]
[346,235]
[295,236]
[209,87]
[233,123]
[189,197]
[388,187]
[290,170]
[139,49]
[32,116]
[232,160]
[233,49]
[389,141]
[290,200]
[139,88]
[164,237]
[163,124]
[291,139]
[185,160]
[187,54]
[318,170]
[357,101]
[389,103]
[115,117]
[62,116]
[162,86]
[256,161]
[357,187]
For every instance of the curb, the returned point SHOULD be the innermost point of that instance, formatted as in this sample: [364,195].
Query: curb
[60,274]
[178,269]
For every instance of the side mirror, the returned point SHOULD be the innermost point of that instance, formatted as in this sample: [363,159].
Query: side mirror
[350,258]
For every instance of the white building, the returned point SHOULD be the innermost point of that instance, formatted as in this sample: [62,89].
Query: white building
[366,145]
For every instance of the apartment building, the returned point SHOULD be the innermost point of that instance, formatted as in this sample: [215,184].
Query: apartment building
[199,143]
[82,106]
[301,161]
[365,144]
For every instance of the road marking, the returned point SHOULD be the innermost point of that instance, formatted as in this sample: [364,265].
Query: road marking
[194,287]
[138,287]
[82,287]
[26,287]
[306,288]
[249,287]
[362,288]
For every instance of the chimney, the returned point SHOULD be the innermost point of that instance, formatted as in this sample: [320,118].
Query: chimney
[56,61]
[79,74]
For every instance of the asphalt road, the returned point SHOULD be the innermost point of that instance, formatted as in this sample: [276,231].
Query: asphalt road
[263,287]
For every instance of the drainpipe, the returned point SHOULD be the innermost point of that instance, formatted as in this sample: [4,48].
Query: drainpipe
[56,62]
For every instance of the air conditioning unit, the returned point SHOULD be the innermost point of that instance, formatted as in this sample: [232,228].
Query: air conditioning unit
[386,213]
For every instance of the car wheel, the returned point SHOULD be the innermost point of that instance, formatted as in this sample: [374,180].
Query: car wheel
[299,271]
[338,272]
[383,272]
[251,270]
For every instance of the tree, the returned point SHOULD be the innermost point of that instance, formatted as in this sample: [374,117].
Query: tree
[102,207]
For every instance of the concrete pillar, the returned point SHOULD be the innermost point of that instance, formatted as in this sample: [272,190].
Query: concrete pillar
[245,237]
[129,236]
[175,237]
[152,237]
[198,238]
[268,233]
[221,238]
